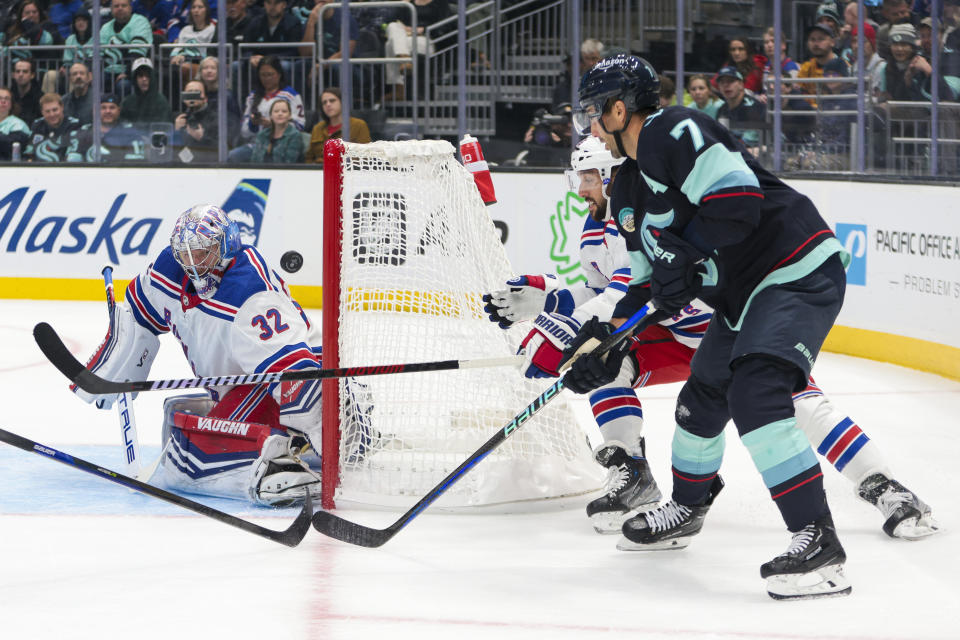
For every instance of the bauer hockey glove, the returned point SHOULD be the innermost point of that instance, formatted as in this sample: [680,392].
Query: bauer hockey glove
[591,371]
[675,280]
[543,347]
[526,297]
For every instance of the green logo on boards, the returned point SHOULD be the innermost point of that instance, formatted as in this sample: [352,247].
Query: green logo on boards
[566,225]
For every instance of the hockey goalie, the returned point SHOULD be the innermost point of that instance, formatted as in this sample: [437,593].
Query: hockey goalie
[231,314]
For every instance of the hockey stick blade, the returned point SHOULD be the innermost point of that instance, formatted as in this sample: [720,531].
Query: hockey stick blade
[290,537]
[340,529]
[59,356]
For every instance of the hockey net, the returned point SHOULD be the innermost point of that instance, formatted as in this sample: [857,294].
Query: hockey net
[409,248]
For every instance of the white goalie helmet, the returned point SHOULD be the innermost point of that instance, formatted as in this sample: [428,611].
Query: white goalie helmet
[203,241]
[592,153]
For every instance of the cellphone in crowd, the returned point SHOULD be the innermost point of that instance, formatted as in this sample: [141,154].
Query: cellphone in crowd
[191,95]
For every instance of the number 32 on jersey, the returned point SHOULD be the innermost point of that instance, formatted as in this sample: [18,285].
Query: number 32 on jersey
[269,324]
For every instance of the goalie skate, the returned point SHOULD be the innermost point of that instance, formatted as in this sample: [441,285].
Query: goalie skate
[631,489]
[905,515]
[669,526]
[811,567]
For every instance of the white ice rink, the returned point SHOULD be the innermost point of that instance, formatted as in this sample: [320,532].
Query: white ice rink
[83,558]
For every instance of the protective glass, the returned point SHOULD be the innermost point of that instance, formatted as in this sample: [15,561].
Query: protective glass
[589,179]
[583,118]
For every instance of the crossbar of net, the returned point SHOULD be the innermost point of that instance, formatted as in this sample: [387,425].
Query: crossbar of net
[419,249]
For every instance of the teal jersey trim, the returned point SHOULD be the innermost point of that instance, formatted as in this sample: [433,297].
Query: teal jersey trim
[795,271]
[714,165]
[779,450]
[640,268]
[695,455]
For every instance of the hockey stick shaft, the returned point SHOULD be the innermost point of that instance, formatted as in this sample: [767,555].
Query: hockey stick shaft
[128,423]
[336,527]
[59,356]
[290,537]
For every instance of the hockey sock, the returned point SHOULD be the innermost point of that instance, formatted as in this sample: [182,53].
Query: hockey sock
[619,416]
[695,463]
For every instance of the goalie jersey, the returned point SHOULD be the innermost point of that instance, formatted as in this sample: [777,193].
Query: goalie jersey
[250,325]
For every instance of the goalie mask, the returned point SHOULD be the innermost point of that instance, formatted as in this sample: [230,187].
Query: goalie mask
[592,161]
[204,240]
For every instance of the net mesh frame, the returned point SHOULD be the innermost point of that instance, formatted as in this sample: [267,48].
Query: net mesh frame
[409,249]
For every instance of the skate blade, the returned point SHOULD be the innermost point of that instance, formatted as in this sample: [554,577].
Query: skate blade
[612,522]
[916,528]
[826,582]
[625,544]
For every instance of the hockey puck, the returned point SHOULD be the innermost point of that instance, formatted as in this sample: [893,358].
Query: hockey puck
[291,261]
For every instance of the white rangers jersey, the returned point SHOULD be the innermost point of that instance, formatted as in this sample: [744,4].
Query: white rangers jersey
[250,325]
[606,265]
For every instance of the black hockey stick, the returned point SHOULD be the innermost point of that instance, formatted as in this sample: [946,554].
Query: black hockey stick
[290,537]
[336,527]
[57,353]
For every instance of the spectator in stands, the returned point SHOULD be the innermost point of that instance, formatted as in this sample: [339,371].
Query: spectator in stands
[668,91]
[78,46]
[78,102]
[119,141]
[400,37]
[50,135]
[126,27]
[26,90]
[592,51]
[12,129]
[163,16]
[740,112]
[275,25]
[894,12]
[201,29]
[146,104]
[331,111]
[823,59]
[788,68]
[238,21]
[31,28]
[209,75]
[749,64]
[950,50]
[925,31]
[195,129]
[281,141]
[907,73]
[703,99]
[62,13]
[327,20]
[270,84]
[827,14]
[874,65]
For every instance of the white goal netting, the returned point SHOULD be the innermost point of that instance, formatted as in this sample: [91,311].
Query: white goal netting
[418,250]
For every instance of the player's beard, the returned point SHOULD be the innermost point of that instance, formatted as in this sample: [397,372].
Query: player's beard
[600,213]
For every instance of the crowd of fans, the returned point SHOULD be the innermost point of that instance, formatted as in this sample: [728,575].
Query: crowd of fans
[46,113]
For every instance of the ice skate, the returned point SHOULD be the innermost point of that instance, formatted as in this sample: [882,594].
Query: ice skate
[630,489]
[905,515]
[669,526]
[811,567]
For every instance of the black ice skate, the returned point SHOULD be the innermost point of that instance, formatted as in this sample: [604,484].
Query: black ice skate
[905,515]
[630,489]
[811,567]
[669,526]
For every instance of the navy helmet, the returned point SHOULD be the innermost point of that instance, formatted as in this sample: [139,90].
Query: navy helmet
[621,77]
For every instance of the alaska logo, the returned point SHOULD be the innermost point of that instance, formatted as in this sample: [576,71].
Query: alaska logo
[566,225]
[246,206]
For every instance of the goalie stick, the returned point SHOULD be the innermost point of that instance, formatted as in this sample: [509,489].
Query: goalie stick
[59,356]
[128,423]
[290,537]
[346,531]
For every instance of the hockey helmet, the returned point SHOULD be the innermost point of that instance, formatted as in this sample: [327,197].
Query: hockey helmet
[620,77]
[591,153]
[203,239]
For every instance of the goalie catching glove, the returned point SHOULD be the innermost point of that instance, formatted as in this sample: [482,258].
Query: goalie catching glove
[526,297]
[543,347]
[589,370]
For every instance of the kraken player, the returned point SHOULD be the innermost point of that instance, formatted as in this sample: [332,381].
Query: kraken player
[661,355]
[760,254]
[231,314]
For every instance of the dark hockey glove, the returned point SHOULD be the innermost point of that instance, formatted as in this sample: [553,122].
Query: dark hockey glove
[590,371]
[676,277]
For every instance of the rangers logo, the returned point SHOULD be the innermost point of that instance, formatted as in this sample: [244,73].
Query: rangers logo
[626,219]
